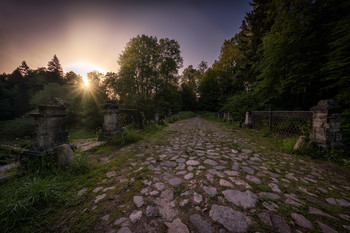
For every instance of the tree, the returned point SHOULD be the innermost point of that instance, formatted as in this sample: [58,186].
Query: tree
[146,66]
[55,71]
[24,69]
[209,91]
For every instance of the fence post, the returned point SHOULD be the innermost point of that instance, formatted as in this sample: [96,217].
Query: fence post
[326,125]
[248,119]
[270,118]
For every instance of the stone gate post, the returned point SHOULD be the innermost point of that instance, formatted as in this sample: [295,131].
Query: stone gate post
[110,125]
[326,125]
[49,129]
[248,119]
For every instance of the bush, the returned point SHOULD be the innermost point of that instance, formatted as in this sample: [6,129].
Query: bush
[239,104]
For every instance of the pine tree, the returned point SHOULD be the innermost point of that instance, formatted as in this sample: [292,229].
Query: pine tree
[55,66]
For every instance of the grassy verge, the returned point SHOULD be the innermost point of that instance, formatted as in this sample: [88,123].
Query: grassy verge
[45,198]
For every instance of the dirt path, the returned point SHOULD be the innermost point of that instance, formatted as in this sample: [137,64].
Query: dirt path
[206,178]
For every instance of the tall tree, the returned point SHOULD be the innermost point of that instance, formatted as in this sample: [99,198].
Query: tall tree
[146,67]
[55,71]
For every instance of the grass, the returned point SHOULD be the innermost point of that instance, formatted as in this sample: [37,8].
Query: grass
[45,198]
[186,115]
[79,133]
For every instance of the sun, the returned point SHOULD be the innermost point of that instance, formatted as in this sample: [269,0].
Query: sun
[82,68]
[86,81]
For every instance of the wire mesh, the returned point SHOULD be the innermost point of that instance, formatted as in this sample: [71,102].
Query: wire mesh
[131,117]
[285,123]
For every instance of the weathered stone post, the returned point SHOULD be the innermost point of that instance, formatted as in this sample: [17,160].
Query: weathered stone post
[230,117]
[49,126]
[248,119]
[326,125]
[156,116]
[110,125]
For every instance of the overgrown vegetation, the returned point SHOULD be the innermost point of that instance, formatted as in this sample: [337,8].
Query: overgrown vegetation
[46,187]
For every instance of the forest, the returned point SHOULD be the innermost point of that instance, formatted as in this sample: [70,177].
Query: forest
[288,55]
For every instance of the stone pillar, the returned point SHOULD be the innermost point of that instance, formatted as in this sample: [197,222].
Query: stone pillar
[326,125]
[110,125]
[49,126]
[248,119]
[156,116]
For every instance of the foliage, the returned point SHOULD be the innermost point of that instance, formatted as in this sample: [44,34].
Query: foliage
[148,71]
[288,55]
[240,103]
[209,91]
[16,128]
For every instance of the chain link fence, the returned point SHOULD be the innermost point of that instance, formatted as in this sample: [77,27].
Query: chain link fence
[285,123]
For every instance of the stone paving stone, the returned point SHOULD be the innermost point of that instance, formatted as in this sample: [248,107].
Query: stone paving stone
[120,221]
[211,191]
[225,183]
[280,224]
[97,189]
[217,173]
[270,206]
[188,176]
[175,182]
[239,182]
[275,187]
[138,200]
[159,186]
[325,228]
[302,221]
[210,162]
[166,209]
[271,196]
[265,217]
[197,197]
[82,191]
[135,215]
[248,170]
[231,173]
[177,226]
[192,162]
[245,199]
[111,174]
[105,218]
[150,211]
[201,225]
[232,220]
[167,195]
[100,197]
[253,179]
[316,211]
[124,230]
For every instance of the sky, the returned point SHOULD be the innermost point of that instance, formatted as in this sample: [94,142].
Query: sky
[88,35]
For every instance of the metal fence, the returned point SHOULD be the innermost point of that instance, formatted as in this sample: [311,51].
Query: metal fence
[285,123]
[225,116]
[132,117]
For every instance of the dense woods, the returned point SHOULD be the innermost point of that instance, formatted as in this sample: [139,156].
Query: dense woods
[288,55]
